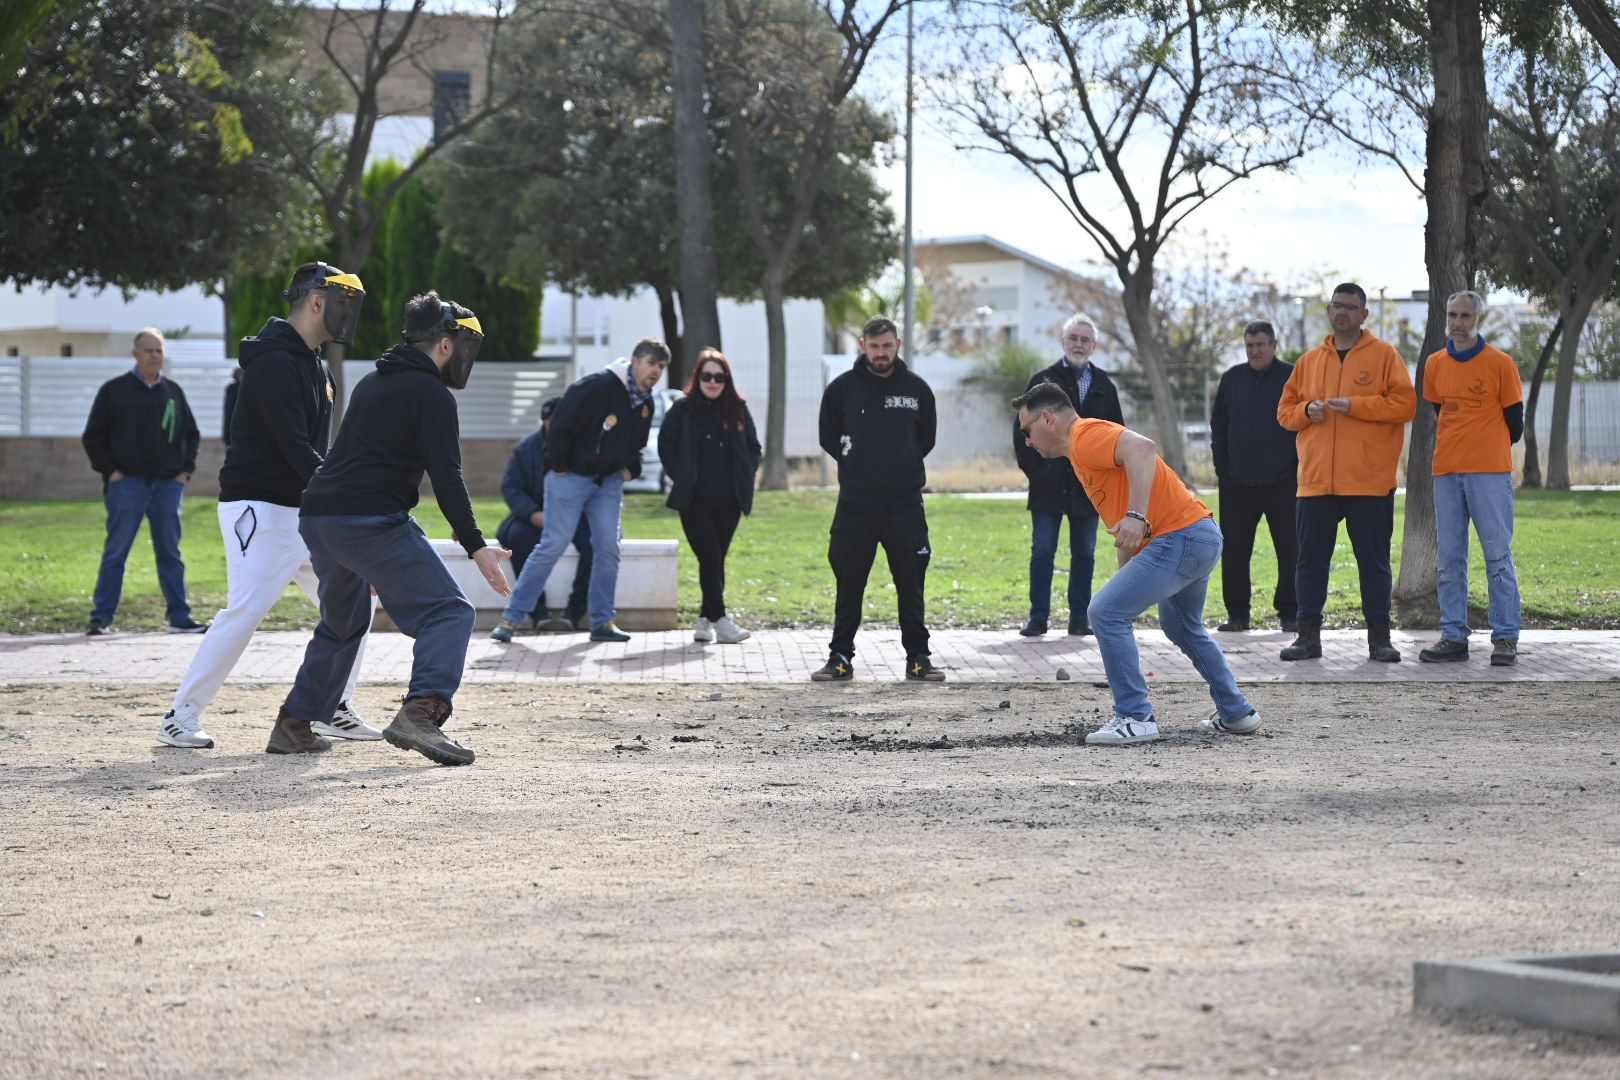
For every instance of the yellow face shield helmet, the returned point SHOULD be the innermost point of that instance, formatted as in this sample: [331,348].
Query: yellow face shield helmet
[344,297]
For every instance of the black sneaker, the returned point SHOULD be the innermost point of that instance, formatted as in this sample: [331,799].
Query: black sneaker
[837,669]
[1445,649]
[1034,628]
[189,626]
[919,669]
[95,629]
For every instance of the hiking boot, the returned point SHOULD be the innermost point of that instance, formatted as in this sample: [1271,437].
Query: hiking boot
[292,736]
[608,631]
[837,669]
[1034,628]
[417,727]
[703,631]
[920,669]
[1308,645]
[1243,725]
[727,632]
[95,628]
[1233,626]
[184,731]
[1378,646]
[1504,652]
[189,626]
[1443,650]
[504,630]
[1079,628]
[346,724]
[1123,731]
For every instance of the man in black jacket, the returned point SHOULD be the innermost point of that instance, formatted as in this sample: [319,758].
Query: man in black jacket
[1054,491]
[878,422]
[281,423]
[401,422]
[594,446]
[1257,466]
[142,439]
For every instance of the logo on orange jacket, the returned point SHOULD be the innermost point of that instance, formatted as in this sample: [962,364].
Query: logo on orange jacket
[1478,387]
[1364,379]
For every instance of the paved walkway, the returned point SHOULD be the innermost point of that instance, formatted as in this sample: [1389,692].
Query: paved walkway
[788,656]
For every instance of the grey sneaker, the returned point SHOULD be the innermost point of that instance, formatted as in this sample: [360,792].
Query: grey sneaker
[346,724]
[1123,731]
[1444,650]
[504,630]
[703,631]
[96,629]
[727,632]
[1504,653]
[609,631]
[292,736]
[417,727]
[1243,725]
[185,732]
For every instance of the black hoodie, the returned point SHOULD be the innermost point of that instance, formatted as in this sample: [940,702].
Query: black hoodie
[282,419]
[401,422]
[879,430]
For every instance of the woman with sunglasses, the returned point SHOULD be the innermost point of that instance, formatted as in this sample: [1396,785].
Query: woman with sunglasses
[710,453]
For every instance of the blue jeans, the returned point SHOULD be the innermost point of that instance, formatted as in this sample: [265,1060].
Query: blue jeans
[1172,571]
[1486,499]
[352,555]
[128,501]
[570,497]
[1082,562]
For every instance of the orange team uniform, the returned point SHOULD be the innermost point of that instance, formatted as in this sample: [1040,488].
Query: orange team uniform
[1354,453]
[1091,451]
[1473,435]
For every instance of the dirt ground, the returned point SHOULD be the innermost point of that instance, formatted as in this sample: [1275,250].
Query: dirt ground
[866,880]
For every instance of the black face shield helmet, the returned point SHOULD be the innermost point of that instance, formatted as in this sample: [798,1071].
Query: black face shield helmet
[463,327]
[344,295]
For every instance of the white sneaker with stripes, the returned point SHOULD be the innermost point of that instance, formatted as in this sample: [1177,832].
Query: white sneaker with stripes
[185,732]
[1123,731]
[1243,725]
[346,724]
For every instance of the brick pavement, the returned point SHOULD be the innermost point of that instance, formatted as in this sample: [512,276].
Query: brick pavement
[788,656]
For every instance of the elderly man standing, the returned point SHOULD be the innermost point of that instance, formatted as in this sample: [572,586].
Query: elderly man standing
[1474,388]
[593,446]
[1350,399]
[1055,493]
[142,439]
[1255,463]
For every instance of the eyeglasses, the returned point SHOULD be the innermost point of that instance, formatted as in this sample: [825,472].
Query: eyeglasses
[712,376]
[1336,306]
[1032,421]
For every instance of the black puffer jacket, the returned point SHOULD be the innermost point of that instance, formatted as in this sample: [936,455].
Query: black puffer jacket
[595,431]
[879,430]
[1053,487]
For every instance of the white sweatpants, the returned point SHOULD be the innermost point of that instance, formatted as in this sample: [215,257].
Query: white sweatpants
[263,555]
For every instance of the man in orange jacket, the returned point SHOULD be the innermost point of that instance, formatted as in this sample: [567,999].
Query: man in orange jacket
[1349,398]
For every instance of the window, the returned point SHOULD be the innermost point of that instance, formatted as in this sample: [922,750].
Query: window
[12,350]
[452,96]
[67,350]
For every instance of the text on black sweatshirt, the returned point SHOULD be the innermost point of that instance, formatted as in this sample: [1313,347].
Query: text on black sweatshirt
[879,430]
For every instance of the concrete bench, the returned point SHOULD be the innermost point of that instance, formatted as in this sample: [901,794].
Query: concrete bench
[646,595]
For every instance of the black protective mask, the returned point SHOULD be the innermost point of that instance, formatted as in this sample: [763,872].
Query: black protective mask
[456,372]
[341,316]
[461,326]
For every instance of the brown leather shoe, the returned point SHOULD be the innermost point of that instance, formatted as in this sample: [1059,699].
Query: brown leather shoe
[417,727]
[292,736]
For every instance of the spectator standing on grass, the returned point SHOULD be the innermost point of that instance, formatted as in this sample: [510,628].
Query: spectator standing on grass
[1475,390]
[1167,544]
[142,439]
[878,423]
[523,486]
[1054,493]
[594,446]
[710,453]
[1256,466]
[1349,399]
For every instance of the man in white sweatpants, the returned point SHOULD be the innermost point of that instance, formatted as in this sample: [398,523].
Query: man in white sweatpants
[279,434]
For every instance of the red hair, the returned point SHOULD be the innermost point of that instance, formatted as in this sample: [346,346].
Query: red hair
[729,402]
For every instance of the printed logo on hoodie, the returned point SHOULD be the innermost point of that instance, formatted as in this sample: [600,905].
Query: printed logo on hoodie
[901,401]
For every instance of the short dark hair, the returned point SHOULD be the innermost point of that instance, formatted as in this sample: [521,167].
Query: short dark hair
[879,324]
[1353,289]
[1260,326]
[301,278]
[650,347]
[422,314]
[1042,396]
[549,407]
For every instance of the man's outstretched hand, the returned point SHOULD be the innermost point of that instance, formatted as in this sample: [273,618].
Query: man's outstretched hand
[489,564]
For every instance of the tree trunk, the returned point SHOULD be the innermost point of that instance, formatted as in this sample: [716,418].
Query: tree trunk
[1138,303]
[225,305]
[1574,317]
[774,290]
[694,202]
[1455,186]
[1532,456]
[672,331]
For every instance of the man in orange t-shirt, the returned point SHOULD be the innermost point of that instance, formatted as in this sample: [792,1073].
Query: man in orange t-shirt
[1167,544]
[1475,389]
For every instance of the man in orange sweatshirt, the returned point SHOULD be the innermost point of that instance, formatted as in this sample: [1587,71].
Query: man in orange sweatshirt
[1349,399]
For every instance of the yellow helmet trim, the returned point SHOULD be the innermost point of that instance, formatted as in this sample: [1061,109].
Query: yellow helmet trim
[347,281]
[471,323]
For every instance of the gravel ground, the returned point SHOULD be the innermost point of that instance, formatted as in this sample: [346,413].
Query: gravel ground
[867,880]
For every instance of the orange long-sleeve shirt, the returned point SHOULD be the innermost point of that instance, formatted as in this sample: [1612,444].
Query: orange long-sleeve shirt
[1354,453]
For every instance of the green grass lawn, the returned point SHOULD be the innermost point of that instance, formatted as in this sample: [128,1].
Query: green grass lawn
[778,574]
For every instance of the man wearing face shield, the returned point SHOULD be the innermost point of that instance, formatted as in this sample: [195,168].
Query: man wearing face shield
[401,422]
[280,430]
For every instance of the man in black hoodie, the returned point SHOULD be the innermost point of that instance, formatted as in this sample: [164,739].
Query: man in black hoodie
[281,422]
[878,421]
[401,422]
[142,439]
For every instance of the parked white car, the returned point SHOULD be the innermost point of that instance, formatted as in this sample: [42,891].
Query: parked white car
[652,470]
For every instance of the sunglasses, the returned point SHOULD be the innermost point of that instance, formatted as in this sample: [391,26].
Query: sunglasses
[1032,421]
[712,376]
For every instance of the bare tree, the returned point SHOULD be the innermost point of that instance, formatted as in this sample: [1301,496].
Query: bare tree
[1133,122]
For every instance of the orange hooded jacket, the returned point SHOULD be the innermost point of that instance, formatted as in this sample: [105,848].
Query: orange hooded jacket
[1354,453]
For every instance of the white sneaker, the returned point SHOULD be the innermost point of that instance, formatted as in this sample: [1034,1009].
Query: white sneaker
[703,630]
[346,724]
[1122,731]
[1243,725]
[184,731]
[729,633]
